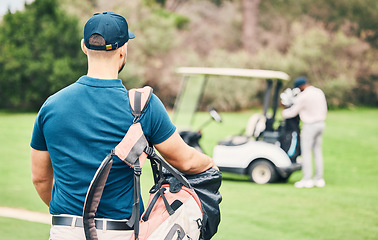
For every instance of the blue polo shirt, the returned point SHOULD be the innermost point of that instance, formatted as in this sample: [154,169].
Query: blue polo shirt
[79,126]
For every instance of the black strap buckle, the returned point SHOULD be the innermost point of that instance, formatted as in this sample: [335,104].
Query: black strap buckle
[112,152]
[136,119]
[137,170]
[149,151]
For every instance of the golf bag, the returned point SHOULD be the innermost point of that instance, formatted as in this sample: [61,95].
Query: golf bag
[290,137]
[289,129]
[174,210]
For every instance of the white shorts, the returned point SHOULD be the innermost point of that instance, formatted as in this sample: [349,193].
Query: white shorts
[61,232]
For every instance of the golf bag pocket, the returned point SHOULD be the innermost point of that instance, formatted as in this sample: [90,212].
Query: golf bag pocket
[171,215]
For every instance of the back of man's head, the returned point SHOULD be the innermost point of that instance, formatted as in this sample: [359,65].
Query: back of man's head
[98,40]
[300,81]
[106,31]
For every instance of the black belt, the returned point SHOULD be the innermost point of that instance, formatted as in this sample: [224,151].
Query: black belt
[109,224]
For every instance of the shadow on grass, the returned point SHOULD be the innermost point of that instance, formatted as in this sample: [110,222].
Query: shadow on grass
[231,177]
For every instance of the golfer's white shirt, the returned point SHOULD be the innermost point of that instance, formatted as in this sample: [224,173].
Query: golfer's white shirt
[311,105]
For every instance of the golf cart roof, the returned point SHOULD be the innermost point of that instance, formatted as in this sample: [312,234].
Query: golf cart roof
[235,72]
[194,83]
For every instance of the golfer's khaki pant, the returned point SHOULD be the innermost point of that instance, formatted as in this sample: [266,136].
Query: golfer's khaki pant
[311,143]
[77,233]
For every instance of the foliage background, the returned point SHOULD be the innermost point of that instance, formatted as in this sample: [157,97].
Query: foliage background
[39,54]
[334,43]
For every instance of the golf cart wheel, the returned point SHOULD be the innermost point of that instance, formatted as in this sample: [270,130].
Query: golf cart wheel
[262,171]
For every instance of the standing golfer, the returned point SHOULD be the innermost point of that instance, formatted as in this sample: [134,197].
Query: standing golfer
[79,125]
[311,106]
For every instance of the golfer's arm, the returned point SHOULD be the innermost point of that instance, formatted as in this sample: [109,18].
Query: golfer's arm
[183,157]
[292,111]
[42,174]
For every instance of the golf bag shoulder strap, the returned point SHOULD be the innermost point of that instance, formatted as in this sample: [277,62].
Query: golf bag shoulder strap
[93,197]
[139,98]
[131,150]
[133,145]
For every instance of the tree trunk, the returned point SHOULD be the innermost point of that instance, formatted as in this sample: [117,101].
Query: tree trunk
[173,5]
[250,10]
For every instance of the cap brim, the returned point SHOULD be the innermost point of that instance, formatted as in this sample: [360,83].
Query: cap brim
[131,35]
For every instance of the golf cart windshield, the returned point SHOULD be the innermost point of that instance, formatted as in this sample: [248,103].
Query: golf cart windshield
[194,82]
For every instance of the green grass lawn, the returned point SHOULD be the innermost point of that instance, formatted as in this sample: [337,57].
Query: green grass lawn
[20,230]
[345,209]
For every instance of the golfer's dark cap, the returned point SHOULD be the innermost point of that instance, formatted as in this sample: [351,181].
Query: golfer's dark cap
[111,26]
[300,81]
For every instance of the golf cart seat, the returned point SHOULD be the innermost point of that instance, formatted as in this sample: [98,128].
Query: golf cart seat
[234,141]
[255,126]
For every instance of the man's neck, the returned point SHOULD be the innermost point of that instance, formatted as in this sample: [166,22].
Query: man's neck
[102,69]
[102,75]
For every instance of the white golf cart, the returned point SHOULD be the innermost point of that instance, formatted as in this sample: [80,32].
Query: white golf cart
[265,154]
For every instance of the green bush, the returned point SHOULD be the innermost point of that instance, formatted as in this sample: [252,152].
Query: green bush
[330,60]
[40,54]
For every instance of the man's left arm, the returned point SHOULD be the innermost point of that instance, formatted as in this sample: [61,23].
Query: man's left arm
[183,157]
[42,174]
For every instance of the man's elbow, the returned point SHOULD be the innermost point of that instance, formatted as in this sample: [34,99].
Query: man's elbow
[287,114]
[195,162]
[186,166]
[38,180]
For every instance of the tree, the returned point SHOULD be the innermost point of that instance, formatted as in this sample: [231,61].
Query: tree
[360,15]
[250,10]
[40,54]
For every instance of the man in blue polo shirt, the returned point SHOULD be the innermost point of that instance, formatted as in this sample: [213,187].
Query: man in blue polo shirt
[79,125]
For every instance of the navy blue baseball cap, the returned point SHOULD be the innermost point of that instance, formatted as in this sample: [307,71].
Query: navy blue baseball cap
[300,81]
[111,26]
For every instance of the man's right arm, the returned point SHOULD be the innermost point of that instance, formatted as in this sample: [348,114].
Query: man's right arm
[293,110]
[42,174]
[183,157]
